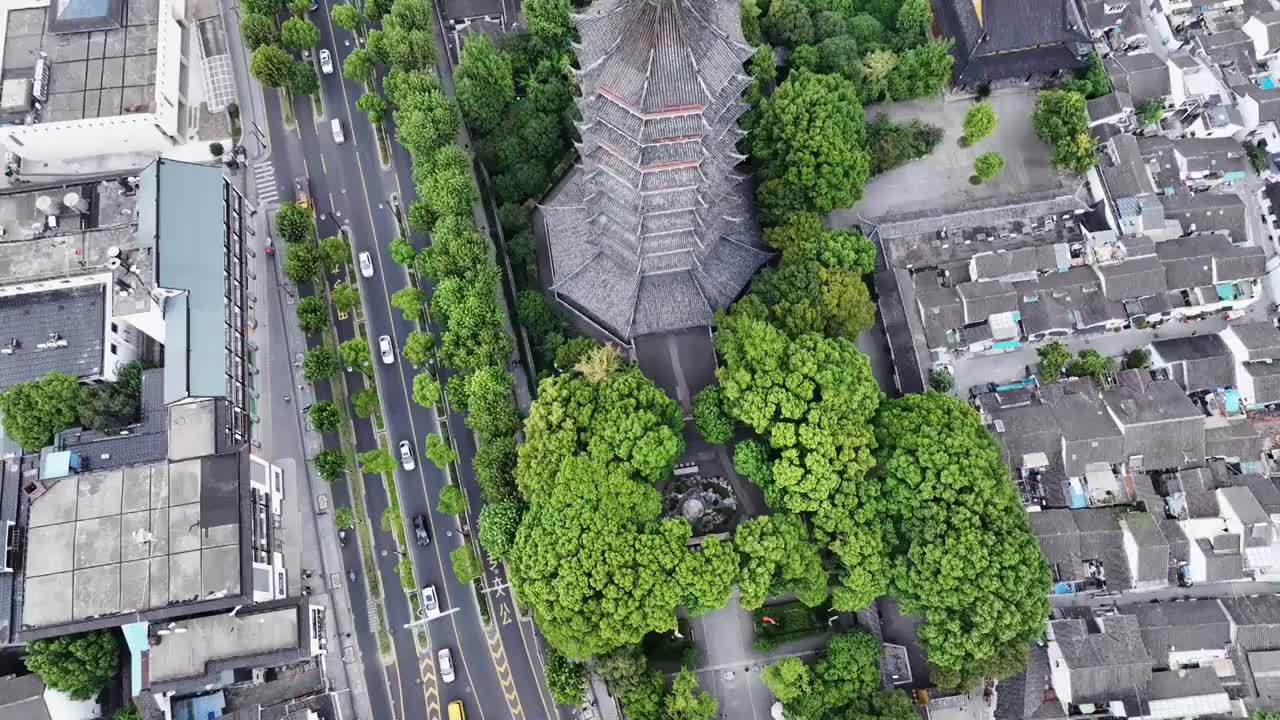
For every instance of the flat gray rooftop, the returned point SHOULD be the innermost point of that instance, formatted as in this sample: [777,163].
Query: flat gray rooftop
[131,539]
[96,73]
[73,315]
[179,655]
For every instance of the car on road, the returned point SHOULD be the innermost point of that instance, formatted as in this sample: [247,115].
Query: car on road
[455,710]
[342,538]
[406,456]
[420,525]
[366,265]
[430,604]
[444,659]
[326,61]
[339,137]
[385,350]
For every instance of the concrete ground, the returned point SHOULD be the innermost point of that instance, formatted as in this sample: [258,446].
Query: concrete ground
[731,666]
[941,179]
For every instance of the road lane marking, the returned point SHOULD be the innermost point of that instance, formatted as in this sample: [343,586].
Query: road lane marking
[430,685]
[264,179]
[323,167]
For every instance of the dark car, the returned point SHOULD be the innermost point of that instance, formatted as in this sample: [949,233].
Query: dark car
[981,389]
[420,530]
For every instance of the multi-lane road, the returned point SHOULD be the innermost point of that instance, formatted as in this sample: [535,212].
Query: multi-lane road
[499,667]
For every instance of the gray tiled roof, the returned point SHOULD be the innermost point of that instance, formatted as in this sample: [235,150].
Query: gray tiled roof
[1070,538]
[1160,423]
[1183,683]
[1260,338]
[1124,169]
[1142,75]
[1265,668]
[74,315]
[1207,212]
[1238,439]
[655,230]
[1109,106]
[1223,561]
[1266,382]
[1024,696]
[1132,279]
[1089,433]
[22,698]
[985,298]
[1153,549]
[1104,662]
[1199,362]
[1184,625]
[1257,621]
[1013,38]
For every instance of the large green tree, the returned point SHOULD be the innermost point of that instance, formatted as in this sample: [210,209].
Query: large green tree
[810,398]
[498,523]
[79,665]
[968,561]
[355,355]
[270,65]
[491,410]
[425,121]
[444,183]
[33,411]
[257,30]
[294,223]
[549,22]
[483,84]
[687,700]
[809,146]
[566,679]
[319,363]
[1061,120]
[613,414]
[324,416]
[846,679]
[776,555]
[592,560]
[474,336]
[299,34]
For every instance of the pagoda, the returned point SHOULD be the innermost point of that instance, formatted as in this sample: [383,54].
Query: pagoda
[655,229]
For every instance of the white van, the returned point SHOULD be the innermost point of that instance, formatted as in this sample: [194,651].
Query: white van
[338,136]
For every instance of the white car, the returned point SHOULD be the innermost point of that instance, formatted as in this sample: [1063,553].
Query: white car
[338,136]
[406,456]
[326,61]
[430,605]
[445,660]
[385,350]
[366,265]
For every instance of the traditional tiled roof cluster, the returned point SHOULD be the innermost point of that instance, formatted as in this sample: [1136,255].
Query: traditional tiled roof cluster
[655,230]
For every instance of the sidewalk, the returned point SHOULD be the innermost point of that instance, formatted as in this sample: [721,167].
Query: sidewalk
[282,436]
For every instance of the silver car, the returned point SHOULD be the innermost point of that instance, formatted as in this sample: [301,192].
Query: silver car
[406,456]
[385,350]
[430,604]
[445,660]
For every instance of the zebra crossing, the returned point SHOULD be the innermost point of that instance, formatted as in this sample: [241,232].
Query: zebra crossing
[373,618]
[264,177]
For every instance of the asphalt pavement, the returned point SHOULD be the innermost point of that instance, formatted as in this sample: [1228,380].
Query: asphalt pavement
[353,190]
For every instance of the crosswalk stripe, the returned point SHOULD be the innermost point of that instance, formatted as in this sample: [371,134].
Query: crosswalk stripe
[265,176]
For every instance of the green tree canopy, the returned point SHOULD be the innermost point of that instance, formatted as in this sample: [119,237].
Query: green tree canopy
[498,524]
[451,500]
[373,105]
[788,23]
[294,224]
[403,251]
[426,390]
[566,679]
[355,355]
[988,165]
[79,665]
[970,565]
[409,301]
[302,263]
[921,71]
[615,415]
[1094,364]
[687,700]
[1137,359]
[270,65]
[892,145]
[257,30]
[1054,357]
[270,8]
[336,251]
[110,407]
[377,461]
[979,122]
[324,415]
[346,297]
[491,409]
[810,398]
[484,85]
[810,146]
[474,336]
[345,16]
[359,65]
[365,403]
[330,464]
[444,183]
[456,248]
[593,561]
[1150,111]
[403,42]
[35,410]
[437,450]
[710,416]
[466,565]
[298,34]
[707,575]
[913,22]
[494,466]
[776,555]
[418,347]
[1060,120]
[548,22]
[319,363]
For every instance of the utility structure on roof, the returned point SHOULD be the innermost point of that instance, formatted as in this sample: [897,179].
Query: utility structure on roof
[655,230]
